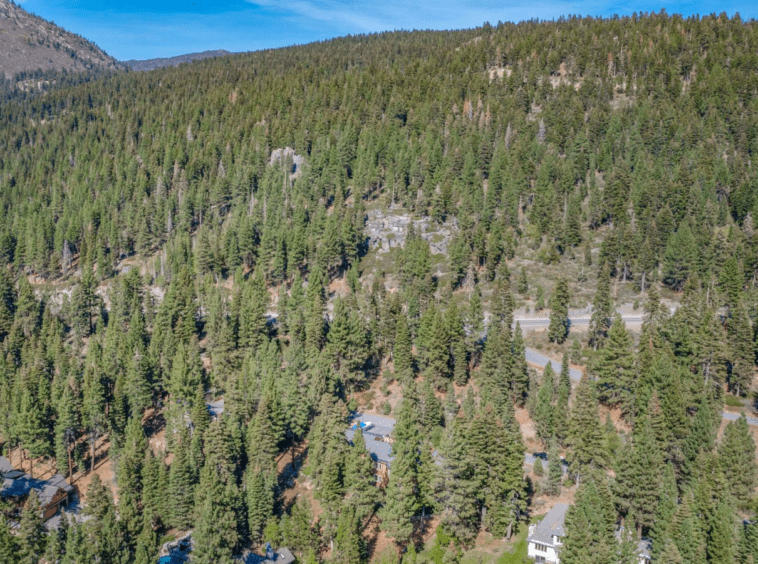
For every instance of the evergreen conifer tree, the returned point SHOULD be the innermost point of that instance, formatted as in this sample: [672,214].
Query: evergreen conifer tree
[561,410]
[361,492]
[585,432]
[154,487]
[589,534]
[260,502]
[215,536]
[543,409]
[737,457]
[32,535]
[147,545]
[300,533]
[523,282]
[670,554]
[518,369]
[401,494]
[349,546]
[668,499]
[742,355]
[638,478]
[614,366]
[77,548]
[181,486]
[602,311]
[559,321]
[720,535]
[555,469]
[401,351]
[66,429]
[456,486]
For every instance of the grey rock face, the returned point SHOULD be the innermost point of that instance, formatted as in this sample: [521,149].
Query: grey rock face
[386,230]
[283,155]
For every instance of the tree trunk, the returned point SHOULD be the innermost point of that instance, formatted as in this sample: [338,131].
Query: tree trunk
[70,472]
[92,451]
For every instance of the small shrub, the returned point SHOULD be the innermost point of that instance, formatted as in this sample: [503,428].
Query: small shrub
[576,351]
[538,470]
[733,401]
[636,305]
[386,408]
[540,299]
[440,545]
[166,538]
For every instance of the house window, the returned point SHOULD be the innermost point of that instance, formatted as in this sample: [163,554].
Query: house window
[378,478]
[540,547]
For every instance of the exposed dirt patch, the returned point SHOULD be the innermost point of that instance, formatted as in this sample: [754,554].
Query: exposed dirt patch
[499,72]
[542,504]
[528,430]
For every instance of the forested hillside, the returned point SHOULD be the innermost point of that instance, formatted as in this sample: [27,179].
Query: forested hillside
[163,248]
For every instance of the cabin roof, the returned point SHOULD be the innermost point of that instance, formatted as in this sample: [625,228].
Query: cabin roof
[281,556]
[379,449]
[551,525]
[18,484]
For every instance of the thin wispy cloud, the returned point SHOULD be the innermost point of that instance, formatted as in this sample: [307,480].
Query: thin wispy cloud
[369,16]
[325,12]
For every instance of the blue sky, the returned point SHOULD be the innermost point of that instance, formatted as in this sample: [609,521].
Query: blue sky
[141,29]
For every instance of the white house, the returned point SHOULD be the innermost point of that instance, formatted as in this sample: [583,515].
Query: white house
[545,538]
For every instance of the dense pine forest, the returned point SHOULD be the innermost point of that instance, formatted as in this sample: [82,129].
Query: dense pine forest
[174,237]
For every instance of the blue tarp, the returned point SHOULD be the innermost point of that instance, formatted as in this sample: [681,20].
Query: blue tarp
[171,559]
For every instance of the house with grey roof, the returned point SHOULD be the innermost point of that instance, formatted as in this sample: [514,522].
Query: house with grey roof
[15,486]
[644,546]
[5,466]
[544,540]
[377,434]
[281,555]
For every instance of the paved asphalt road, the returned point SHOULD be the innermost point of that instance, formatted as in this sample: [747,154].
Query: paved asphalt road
[540,322]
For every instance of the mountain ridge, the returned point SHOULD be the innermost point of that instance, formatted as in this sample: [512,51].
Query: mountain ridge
[30,43]
[160,62]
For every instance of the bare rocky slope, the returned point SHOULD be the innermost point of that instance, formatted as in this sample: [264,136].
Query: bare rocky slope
[151,64]
[30,43]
